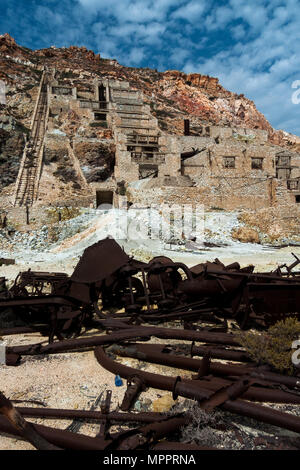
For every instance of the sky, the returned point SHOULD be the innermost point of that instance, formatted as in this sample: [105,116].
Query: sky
[251,46]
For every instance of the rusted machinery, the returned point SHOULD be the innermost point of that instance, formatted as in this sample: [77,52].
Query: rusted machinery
[163,290]
[123,293]
[106,281]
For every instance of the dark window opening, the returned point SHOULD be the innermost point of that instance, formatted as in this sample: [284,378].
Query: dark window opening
[100,117]
[284,161]
[256,163]
[61,91]
[102,93]
[229,162]
[146,170]
[104,199]
[297,198]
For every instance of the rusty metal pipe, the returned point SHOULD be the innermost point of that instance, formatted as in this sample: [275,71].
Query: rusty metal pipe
[151,353]
[58,437]
[153,432]
[231,355]
[19,330]
[252,276]
[129,333]
[190,389]
[91,415]
[71,344]
[134,387]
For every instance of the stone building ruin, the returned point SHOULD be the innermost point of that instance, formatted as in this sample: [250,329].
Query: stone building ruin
[230,167]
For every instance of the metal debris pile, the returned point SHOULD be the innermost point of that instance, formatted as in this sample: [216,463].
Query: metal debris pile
[127,301]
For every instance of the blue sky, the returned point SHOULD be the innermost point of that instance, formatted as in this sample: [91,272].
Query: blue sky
[251,46]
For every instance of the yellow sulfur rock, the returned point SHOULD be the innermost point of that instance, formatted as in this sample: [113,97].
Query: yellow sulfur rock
[163,404]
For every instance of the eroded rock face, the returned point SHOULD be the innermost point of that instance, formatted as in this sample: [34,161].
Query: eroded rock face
[7,43]
[203,97]
[245,235]
[172,93]
[12,141]
[96,160]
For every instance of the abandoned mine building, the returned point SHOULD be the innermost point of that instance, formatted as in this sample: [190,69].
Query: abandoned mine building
[224,167]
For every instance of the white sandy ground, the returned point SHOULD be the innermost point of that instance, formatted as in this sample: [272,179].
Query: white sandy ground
[128,228]
[74,380]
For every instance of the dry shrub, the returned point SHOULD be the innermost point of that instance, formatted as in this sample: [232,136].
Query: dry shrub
[54,214]
[200,428]
[273,347]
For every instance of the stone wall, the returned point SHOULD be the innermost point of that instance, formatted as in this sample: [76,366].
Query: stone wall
[217,192]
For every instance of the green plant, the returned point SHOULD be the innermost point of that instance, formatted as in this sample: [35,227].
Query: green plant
[273,347]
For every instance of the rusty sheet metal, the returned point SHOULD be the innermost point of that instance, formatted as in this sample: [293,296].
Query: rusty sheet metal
[99,261]
[276,298]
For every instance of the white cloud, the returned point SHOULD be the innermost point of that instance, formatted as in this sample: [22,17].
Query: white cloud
[219,18]
[238,32]
[135,56]
[131,10]
[178,56]
[192,11]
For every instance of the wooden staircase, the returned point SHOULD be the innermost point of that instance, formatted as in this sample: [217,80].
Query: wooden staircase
[27,182]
